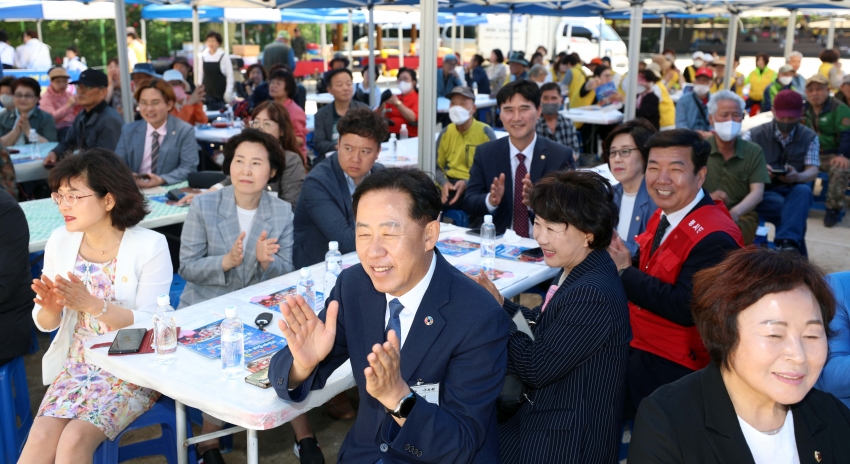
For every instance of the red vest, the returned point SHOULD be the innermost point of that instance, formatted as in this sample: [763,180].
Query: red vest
[653,333]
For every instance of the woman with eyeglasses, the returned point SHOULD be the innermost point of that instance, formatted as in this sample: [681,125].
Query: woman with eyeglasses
[15,123]
[101,273]
[626,156]
[273,119]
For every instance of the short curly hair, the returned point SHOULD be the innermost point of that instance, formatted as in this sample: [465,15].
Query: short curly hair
[365,123]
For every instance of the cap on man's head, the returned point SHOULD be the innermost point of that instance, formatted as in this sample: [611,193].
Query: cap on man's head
[92,78]
[707,72]
[596,61]
[846,80]
[817,79]
[519,58]
[144,68]
[284,34]
[788,104]
[450,57]
[58,72]
[721,61]
[785,68]
[698,55]
[708,57]
[462,91]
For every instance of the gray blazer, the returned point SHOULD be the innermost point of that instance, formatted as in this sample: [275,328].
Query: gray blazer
[288,187]
[644,207]
[209,233]
[178,151]
[323,140]
[324,213]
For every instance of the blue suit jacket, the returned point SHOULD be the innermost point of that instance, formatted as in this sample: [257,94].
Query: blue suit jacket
[644,207]
[445,87]
[323,213]
[178,150]
[464,350]
[492,159]
[835,377]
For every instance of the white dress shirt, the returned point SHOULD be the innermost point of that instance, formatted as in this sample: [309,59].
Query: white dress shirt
[145,167]
[33,55]
[7,54]
[509,180]
[675,218]
[411,301]
[780,448]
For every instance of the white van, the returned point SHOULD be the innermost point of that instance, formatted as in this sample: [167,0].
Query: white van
[582,36]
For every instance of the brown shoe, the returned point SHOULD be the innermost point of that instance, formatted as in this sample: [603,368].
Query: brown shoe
[339,407]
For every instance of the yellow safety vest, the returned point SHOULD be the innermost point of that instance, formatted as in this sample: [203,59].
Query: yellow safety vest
[666,109]
[576,100]
[759,81]
[824,70]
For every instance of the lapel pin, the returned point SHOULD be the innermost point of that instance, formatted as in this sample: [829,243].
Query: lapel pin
[429,320]
[818,456]
[173,132]
[543,157]
[637,218]
[124,279]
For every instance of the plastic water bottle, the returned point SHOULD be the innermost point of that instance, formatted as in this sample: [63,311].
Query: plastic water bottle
[333,256]
[475,87]
[330,278]
[232,344]
[402,133]
[230,115]
[488,244]
[165,331]
[393,147]
[305,288]
[33,142]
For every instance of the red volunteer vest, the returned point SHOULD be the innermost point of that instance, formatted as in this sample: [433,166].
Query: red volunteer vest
[653,333]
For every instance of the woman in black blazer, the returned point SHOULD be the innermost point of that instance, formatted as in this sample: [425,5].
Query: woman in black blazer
[575,366]
[766,334]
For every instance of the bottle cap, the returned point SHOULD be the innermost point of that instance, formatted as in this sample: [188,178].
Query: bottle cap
[488,219]
[163,300]
[392,136]
[305,272]
[230,311]
[333,245]
[404,126]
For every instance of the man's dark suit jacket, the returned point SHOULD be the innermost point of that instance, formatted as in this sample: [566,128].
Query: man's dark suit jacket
[323,213]
[494,158]
[693,421]
[464,349]
[15,280]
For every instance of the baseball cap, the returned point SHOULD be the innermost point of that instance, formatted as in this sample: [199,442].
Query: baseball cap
[92,78]
[463,91]
[705,72]
[708,57]
[175,75]
[698,56]
[58,71]
[655,68]
[283,34]
[817,79]
[144,68]
[450,57]
[596,61]
[785,68]
[720,61]
[788,104]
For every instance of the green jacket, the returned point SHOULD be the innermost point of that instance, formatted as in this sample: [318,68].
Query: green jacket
[832,126]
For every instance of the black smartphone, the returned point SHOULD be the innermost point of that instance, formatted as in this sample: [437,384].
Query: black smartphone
[127,341]
[533,253]
[259,379]
[777,171]
[477,232]
[175,194]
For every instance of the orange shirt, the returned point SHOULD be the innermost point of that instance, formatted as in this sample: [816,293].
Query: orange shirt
[411,100]
[191,114]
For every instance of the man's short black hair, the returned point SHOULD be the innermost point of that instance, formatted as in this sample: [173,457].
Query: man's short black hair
[365,123]
[271,144]
[550,86]
[334,72]
[214,35]
[526,89]
[478,59]
[73,48]
[608,59]
[288,81]
[339,59]
[6,81]
[4,36]
[425,203]
[700,149]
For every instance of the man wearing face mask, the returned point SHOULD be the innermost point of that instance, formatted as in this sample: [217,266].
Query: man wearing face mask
[830,119]
[456,146]
[737,172]
[690,73]
[692,109]
[553,125]
[6,99]
[795,59]
[792,154]
[785,81]
[538,74]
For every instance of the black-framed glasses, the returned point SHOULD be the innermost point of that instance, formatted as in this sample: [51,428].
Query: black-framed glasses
[623,152]
[25,96]
[69,198]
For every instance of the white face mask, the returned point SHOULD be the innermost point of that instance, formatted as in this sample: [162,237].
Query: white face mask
[785,80]
[7,101]
[670,57]
[641,89]
[701,89]
[698,63]
[405,86]
[727,130]
[458,114]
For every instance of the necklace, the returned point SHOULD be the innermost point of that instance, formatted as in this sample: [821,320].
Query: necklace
[101,252]
[774,432]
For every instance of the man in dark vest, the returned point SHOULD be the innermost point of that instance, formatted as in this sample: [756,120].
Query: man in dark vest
[792,153]
[689,232]
[279,51]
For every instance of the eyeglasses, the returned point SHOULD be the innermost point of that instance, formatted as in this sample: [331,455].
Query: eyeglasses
[24,96]
[69,198]
[623,152]
[265,125]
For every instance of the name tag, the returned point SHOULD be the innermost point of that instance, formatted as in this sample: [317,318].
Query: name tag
[429,391]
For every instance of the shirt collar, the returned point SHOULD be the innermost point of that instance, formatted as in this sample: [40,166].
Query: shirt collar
[97,109]
[529,150]
[413,298]
[715,150]
[161,131]
[350,181]
[675,218]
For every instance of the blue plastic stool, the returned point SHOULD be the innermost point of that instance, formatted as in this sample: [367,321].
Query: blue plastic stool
[162,414]
[14,406]
[177,286]
[459,217]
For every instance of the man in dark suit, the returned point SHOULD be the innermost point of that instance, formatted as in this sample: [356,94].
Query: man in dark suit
[323,212]
[428,346]
[15,280]
[689,232]
[503,168]
[326,136]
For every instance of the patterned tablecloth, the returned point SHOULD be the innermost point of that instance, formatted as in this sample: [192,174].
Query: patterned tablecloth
[43,216]
[28,165]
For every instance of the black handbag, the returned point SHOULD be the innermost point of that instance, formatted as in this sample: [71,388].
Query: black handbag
[514,391]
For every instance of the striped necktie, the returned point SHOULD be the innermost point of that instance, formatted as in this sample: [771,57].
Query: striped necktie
[520,210]
[154,151]
[394,322]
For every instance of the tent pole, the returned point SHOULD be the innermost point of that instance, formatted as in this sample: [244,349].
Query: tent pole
[601,23]
[350,37]
[373,96]
[789,33]
[243,33]
[454,33]
[103,42]
[38,27]
[226,37]
[511,33]
[168,36]
[127,106]
[196,43]
[324,44]
[830,37]
[400,46]
[144,31]
[634,57]
[663,33]
[428,86]
[462,47]
[731,41]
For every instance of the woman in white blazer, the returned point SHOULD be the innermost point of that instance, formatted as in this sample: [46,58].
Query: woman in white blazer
[101,273]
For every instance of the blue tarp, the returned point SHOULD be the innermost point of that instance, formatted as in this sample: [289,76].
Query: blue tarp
[181,13]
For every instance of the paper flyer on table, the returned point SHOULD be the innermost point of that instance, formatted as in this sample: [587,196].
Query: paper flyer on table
[501,279]
[272,301]
[206,340]
[514,253]
[456,246]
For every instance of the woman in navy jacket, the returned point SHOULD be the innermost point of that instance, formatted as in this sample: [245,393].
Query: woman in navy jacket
[575,365]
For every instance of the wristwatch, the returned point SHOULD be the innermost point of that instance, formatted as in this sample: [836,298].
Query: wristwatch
[404,406]
[102,312]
